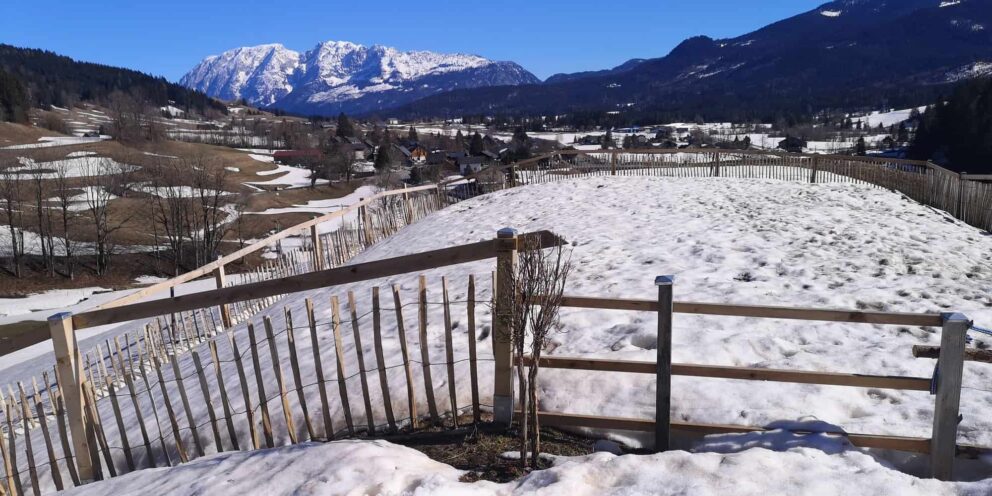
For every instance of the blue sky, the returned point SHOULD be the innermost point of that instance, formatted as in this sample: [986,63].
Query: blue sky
[168,37]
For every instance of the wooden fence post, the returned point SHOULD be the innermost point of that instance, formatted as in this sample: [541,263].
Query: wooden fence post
[663,398]
[961,185]
[506,266]
[816,167]
[318,251]
[950,367]
[717,170]
[225,310]
[613,162]
[408,204]
[71,382]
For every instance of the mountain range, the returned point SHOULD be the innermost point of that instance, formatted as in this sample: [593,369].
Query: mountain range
[843,54]
[339,76]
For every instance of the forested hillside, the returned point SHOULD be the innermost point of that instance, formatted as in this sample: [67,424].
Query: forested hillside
[958,133]
[45,78]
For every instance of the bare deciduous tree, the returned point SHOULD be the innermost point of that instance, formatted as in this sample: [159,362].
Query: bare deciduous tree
[10,200]
[110,179]
[538,283]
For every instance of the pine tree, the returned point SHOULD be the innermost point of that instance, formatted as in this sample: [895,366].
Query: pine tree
[607,142]
[345,127]
[860,148]
[412,136]
[383,157]
[476,145]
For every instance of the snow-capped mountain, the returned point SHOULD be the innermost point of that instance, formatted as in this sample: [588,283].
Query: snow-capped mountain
[339,76]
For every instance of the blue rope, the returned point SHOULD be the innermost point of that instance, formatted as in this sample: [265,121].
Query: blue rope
[987,332]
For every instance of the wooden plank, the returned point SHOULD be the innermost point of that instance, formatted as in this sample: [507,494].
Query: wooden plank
[769,312]
[190,420]
[125,444]
[948,395]
[663,366]
[472,357]
[225,401]
[360,355]
[909,444]
[425,357]
[260,383]
[287,412]
[71,378]
[201,377]
[970,354]
[339,354]
[260,245]
[449,350]
[741,373]
[325,411]
[294,363]
[503,302]
[180,446]
[405,353]
[245,396]
[292,284]
[380,360]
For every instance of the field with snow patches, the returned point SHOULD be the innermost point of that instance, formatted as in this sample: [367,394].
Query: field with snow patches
[726,241]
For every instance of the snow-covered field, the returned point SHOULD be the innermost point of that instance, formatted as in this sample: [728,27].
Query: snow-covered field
[79,166]
[726,241]
[357,468]
[49,141]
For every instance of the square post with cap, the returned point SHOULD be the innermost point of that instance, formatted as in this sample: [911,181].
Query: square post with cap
[506,268]
[663,398]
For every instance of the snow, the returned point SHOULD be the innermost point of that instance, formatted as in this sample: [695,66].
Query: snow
[378,467]
[48,300]
[325,206]
[49,141]
[726,241]
[332,71]
[949,3]
[293,177]
[831,13]
[87,166]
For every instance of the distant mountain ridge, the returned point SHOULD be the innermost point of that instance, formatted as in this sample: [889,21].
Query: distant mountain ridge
[339,76]
[845,53]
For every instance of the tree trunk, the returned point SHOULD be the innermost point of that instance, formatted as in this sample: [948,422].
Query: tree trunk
[535,433]
[522,379]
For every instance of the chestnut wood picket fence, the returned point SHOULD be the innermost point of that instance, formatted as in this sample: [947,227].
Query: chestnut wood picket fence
[138,375]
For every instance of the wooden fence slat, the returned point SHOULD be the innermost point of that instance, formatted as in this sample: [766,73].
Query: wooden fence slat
[280,380]
[380,360]
[26,418]
[10,460]
[180,446]
[294,362]
[404,351]
[60,420]
[191,421]
[97,424]
[339,352]
[360,354]
[472,358]
[205,390]
[151,399]
[449,349]
[245,396]
[128,458]
[53,463]
[225,401]
[260,384]
[425,357]
[325,411]
[135,405]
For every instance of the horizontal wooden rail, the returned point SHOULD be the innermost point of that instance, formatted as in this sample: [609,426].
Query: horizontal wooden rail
[899,443]
[970,354]
[765,312]
[740,373]
[254,247]
[304,282]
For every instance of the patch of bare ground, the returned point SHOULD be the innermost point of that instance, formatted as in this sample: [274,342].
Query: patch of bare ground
[19,134]
[479,450]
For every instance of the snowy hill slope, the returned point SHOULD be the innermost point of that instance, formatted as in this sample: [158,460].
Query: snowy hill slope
[341,76]
[726,241]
